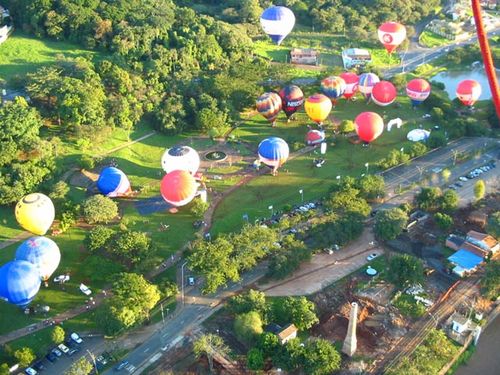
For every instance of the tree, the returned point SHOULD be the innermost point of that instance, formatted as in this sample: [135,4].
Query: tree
[269,343]
[99,209]
[59,191]
[449,201]
[390,223]
[248,326]
[4,369]
[80,367]
[493,227]
[198,208]
[57,335]
[405,270]
[24,356]
[490,283]
[296,310]
[131,246]
[479,189]
[347,126]
[321,357]
[253,300]
[255,359]
[428,198]
[437,113]
[209,345]
[371,187]
[443,221]
[446,173]
[97,238]
[417,149]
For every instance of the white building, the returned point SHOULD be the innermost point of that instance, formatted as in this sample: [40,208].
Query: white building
[353,57]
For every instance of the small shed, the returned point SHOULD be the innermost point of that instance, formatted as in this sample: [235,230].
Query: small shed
[307,56]
[287,333]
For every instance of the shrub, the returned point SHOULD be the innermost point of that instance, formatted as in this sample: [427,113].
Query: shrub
[99,209]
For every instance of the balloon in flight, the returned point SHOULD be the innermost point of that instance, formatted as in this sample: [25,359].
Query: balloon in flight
[369,126]
[19,282]
[418,90]
[42,252]
[384,93]
[318,107]
[366,83]
[351,84]
[273,152]
[314,136]
[292,99]
[178,188]
[468,92]
[113,182]
[269,105]
[180,158]
[391,35]
[277,22]
[333,87]
[35,213]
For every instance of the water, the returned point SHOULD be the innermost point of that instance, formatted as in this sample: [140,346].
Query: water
[451,79]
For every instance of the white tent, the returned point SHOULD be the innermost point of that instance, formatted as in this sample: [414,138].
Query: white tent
[417,135]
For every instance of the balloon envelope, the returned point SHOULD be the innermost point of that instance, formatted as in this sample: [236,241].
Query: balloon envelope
[333,87]
[273,151]
[178,188]
[314,137]
[384,93]
[318,107]
[42,252]
[269,105]
[468,91]
[391,35]
[366,83]
[351,83]
[418,135]
[19,282]
[113,182]
[180,158]
[277,22]
[418,90]
[292,99]
[35,213]
[369,126]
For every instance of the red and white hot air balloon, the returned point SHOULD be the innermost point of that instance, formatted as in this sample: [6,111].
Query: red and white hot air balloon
[418,90]
[178,188]
[391,35]
[314,137]
[369,126]
[468,92]
[384,93]
[351,80]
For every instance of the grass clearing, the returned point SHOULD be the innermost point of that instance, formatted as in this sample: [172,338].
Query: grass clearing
[430,39]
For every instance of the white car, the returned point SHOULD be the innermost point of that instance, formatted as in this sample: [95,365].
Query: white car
[63,348]
[76,338]
[85,289]
[463,178]
[371,256]
[31,371]
[61,279]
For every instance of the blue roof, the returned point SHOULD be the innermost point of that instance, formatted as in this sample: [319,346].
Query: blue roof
[465,259]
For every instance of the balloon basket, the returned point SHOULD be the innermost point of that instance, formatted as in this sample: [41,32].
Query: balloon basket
[173,210]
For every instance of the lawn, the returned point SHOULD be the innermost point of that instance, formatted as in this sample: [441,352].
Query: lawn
[429,39]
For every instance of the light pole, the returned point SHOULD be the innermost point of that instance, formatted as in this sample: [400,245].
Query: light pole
[93,360]
[182,281]
[301,192]
[271,208]
[162,315]
[367,165]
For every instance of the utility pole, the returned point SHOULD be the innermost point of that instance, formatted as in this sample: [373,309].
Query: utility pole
[182,281]
[93,360]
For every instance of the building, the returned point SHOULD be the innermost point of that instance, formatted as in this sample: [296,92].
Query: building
[460,327]
[5,24]
[287,333]
[484,241]
[477,217]
[354,57]
[306,56]
[454,242]
[465,262]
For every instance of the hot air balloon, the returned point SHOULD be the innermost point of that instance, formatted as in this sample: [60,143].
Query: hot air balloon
[318,107]
[314,137]
[113,182]
[384,93]
[391,35]
[369,126]
[269,105]
[42,252]
[277,22]
[178,188]
[35,213]
[366,83]
[351,84]
[418,135]
[292,99]
[468,92]
[19,282]
[333,87]
[418,90]
[273,152]
[180,158]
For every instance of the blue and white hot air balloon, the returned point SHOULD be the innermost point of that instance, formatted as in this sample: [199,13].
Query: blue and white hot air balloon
[273,152]
[19,282]
[42,252]
[113,182]
[277,22]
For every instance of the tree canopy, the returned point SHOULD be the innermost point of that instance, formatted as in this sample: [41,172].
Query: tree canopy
[297,310]
[99,209]
[405,270]
[390,223]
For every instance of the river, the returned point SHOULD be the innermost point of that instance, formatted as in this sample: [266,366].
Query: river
[451,79]
[486,359]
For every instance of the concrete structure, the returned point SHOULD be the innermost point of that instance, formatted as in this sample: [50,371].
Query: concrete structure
[351,342]
[353,57]
[307,56]
[287,333]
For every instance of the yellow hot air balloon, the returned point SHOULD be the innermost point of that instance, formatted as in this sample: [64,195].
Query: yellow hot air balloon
[35,213]
[318,107]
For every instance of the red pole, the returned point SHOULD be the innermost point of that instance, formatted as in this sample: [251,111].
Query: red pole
[487,59]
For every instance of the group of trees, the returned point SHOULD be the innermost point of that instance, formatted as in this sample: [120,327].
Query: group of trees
[390,223]
[405,270]
[490,283]
[397,157]
[433,199]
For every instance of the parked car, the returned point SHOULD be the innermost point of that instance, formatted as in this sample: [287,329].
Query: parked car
[38,365]
[63,348]
[191,280]
[121,365]
[31,371]
[371,256]
[463,178]
[76,338]
[73,351]
[57,352]
[459,184]
[85,289]
[51,357]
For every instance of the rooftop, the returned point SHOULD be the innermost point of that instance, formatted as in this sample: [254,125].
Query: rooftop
[287,331]
[465,259]
[488,240]
[356,52]
[458,241]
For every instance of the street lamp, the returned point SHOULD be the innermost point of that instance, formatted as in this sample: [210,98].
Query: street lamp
[271,208]
[367,165]
[301,192]
[93,360]
[162,315]
[182,281]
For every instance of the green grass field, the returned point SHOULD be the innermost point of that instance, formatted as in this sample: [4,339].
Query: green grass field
[429,39]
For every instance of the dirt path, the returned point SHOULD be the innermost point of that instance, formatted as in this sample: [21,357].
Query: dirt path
[129,143]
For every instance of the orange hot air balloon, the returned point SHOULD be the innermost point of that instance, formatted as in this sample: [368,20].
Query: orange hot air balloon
[369,126]
[318,107]
[391,35]
[468,92]
[178,188]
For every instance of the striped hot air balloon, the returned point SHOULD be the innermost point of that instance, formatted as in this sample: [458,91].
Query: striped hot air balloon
[273,152]
[269,105]
[178,188]
[418,90]
[333,87]
[113,182]
[277,22]
[468,92]
[384,93]
[318,107]
[315,137]
[366,83]
[351,84]
[391,35]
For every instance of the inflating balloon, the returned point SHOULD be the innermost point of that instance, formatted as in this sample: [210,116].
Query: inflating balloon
[314,137]
[391,35]
[273,152]
[351,84]
[318,107]
[35,213]
[180,158]
[178,188]
[384,93]
[333,87]
[277,22]
[418,90]
[369,126]
[366,83]
[19,282]
[41,252]
[113,182]
[269,106]
[292,99]
[468,92]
